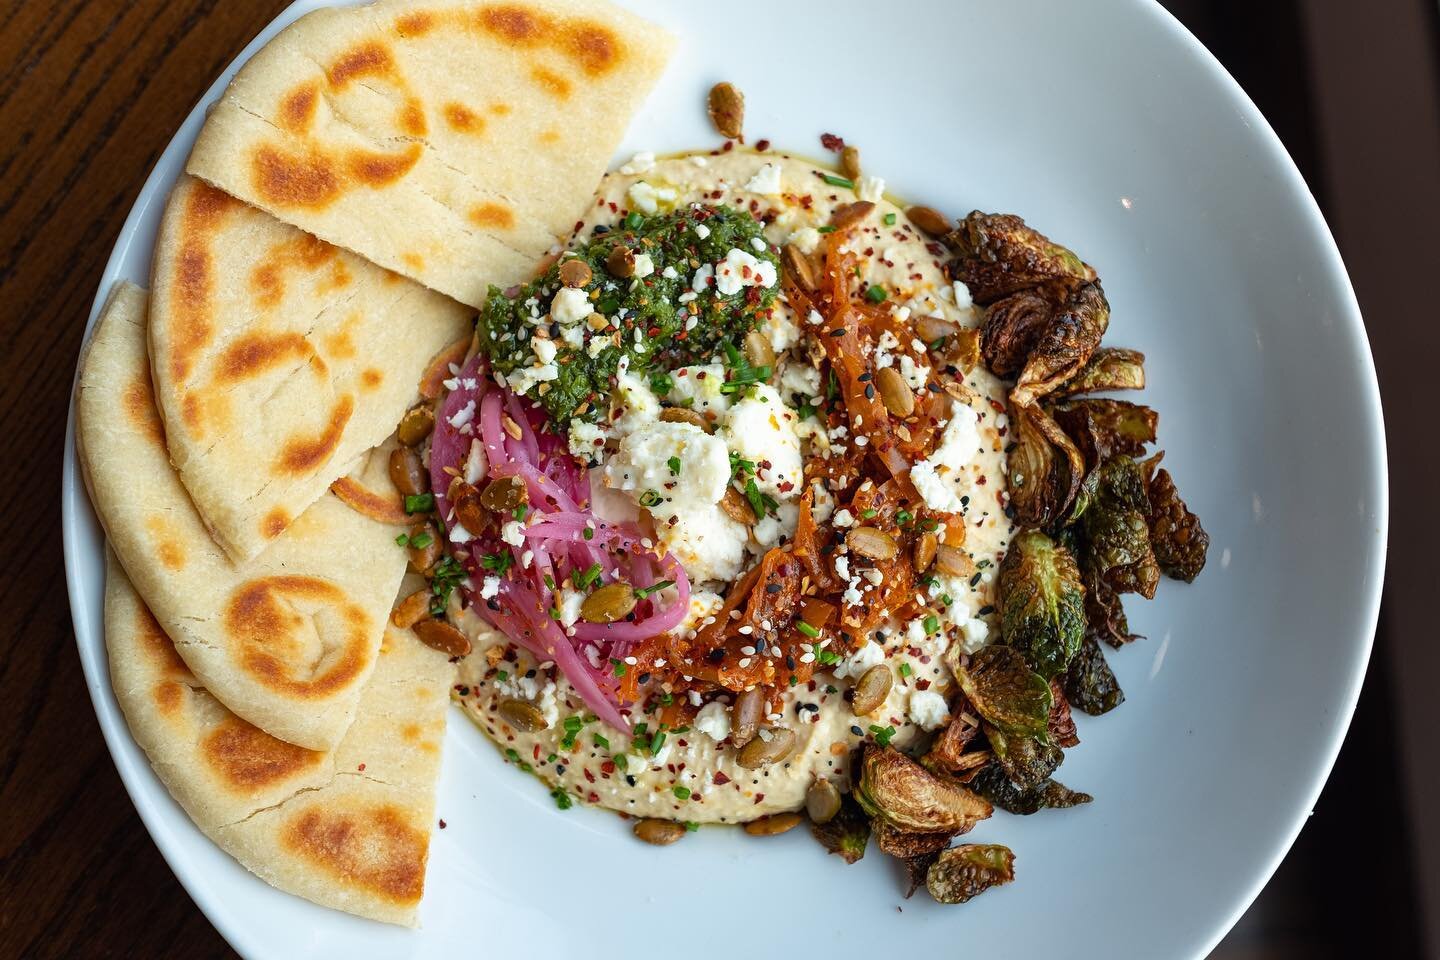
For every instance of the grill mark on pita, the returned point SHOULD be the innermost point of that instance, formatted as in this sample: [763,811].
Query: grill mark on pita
[297,110]
[369,503]
[371,59]
[168,696]
[592,46]
[462,119]
[168,547]
[551,82]
[261,623]
[139,404]
[254,353]
[491,215]
[274,523]
[158,647]
[380,169]
[415,24]
[249,759]
[412,118]
[414,261]
[205,209]
[371,378]
[302,454]
[303,252]
[375,848]
[285,179]
[339,344]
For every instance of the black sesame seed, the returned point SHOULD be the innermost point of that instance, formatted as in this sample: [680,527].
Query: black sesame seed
[772,588]
[986,610]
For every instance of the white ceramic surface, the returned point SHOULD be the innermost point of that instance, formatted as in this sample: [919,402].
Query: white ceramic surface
[1106,125]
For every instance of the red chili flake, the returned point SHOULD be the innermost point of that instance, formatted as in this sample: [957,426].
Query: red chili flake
[831,142]
[442,824]
[653,332]
[980,481]
[613,208]
[578,225]
[607,768]
[729,145]
[592,797]
[995,405]
[759,797]
[719,779]
[535,752]
[361,767]
[925,658]
[922,684]
[762,145]
[588,775]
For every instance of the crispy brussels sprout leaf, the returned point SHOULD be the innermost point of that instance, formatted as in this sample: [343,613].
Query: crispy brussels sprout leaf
[1109,368]
[1044,469]
[998,254]
[905,845]
[1042,602]
[1102,428]
[1118,554]
[947,750]
[1026,761]
[1048,794]
[1006,692]
[1180,543]
[900,793]
[916,869]
[1013,326]
[1105,614]
[1062,725]
[1066,345]
[1090,684]
[845,834]
[966,871]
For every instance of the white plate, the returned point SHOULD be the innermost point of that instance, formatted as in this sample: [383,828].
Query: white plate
[1109,127]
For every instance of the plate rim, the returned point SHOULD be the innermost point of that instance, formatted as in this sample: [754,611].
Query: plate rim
[76,512]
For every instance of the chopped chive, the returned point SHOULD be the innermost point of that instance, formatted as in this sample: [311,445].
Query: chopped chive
[588,533]
[806,629]
[401,540]
[633,220]
[835,181]
[588,576]
[905,670]
[876,293]
[601,742]
[674,464]
[619,666]
[931,623]
[502,675]
[882,734]
[419,502]
[650,498]
[889,219]
[904,516]
[655,587]
[825,230]
[562,799]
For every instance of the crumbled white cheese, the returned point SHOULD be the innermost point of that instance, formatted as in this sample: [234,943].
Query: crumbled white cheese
[642,162]
[571,305]
[513,533]
[928,709]
[713,720]
[781,329]
[587,440]
[699,387]
[938,477]
[644,265]
[464,415]
[800,379]
[647,198]
[770,529]
[914,374]
[476,463]
[523,380]
[766,181]
[702,231]
[740,269]
[707,542]
[807,239]
[761,428]
[844,518]
[642,466]
[702,278]
[633,400]
[569,606]
[544,349]
[870,188]
[861,660]
[490,588]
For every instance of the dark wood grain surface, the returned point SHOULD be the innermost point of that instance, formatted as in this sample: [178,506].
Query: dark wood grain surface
[90,93]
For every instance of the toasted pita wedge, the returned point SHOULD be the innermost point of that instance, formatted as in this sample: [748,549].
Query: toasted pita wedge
[348,828]
[452,141]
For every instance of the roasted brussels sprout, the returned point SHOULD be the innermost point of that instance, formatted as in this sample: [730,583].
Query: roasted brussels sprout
[916,869]
[1044,469]
[1026,761]
[1090,685]
[1180,543]
[1006,692]
[847,833]
[1117,529]
[1109,368]
[1065,346]
[899,793]
[966,871]
[904,844]
[1013,325]
[1105,613]
[1103,428]
[1046,795]
[947,751]
[1041,601]
[1062,725]
[998,254]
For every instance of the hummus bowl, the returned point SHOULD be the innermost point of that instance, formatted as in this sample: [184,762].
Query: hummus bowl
[1122,137]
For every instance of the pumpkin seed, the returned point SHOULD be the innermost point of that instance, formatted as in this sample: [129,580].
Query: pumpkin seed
[769,746]
[758,350]
[930,220]
[797,263]
[872,543]
[850,213]
[443,637]
[727,110]
[471,513]
[745,716]
[850,162]
[953,562]
[737,508]
[504,494]
[609,603]
[872,690]
[931,329]
[685,415]
[522,715]
[822,801]
[575,272]
[621,262]
[423,558]
[407,473]
[416,425]
[411,610]
[660,833]
[895,393]
[924,554]
[773,825]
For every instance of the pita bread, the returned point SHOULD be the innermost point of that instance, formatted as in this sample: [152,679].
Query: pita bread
[451,141]
[286,640]
[348,829]
[278,359]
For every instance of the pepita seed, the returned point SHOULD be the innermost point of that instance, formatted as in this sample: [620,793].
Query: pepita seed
[423,558]
[764,750]
[895,393]
[931,329]
[773,825]
[511,427]
[797,263]
[575,272]
[471,513]
[504,494]
[850,162]
[727,110]
[953,562]
[745,716]
[758,350]
[685,415]
[522,715]
[443,637]
[737,508]
[924,554]
[822,801]
[407,472]
[411,610]
[660,833]
[850,213]
[416,425]
[609,603]
[621,262]
[930,220]
[872,543]
[872,690]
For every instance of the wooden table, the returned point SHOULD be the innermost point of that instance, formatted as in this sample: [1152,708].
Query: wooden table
[90,93]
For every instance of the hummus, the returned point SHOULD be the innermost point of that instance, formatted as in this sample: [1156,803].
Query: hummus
[690,773]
